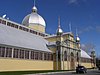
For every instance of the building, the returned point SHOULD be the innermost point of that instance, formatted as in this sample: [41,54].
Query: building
[27,46]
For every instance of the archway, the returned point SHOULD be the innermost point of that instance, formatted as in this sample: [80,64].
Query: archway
[72,62]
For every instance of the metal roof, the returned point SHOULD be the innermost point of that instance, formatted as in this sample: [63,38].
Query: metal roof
[33,18]
[15,37]
[84,54]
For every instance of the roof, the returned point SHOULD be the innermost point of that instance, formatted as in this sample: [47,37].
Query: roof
[84,54]
[15,37]
[33,18]
[54,35]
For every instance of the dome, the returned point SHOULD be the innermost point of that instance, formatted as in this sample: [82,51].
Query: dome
[33,18]
[77,38]
[59,30]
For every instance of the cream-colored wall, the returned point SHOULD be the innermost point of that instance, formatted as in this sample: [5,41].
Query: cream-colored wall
[87,65]
[38,28]
[66,65]
[53,49]
[52,39]
[22,65]
[64,37]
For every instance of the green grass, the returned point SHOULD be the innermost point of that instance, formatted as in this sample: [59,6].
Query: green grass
[27,72]
[30,72]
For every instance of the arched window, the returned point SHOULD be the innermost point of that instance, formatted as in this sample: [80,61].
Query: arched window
[72,55]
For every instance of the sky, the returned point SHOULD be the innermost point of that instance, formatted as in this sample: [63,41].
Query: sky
[82,14]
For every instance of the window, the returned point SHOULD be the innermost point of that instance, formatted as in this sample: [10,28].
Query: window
[26,54]
[8,24]
[27,29]
[16,26]
[20,28]
[44,56]
[65,55]
[21,54]
[12,25]
[2,51]
[15,54]
[48,56]
[77,57]
[59,55]
[3,22]
[31,31]
[40,56]
[0,21]
[32,54]
[36,55]
[51,56]
[8,52]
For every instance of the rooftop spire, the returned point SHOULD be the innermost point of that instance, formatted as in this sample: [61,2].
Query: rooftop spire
[76,32]
[59,30]
[34,9]
[34,2]
[58,22]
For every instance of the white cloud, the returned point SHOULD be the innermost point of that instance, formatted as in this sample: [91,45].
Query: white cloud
[75,1]
[87,29]
[98,28]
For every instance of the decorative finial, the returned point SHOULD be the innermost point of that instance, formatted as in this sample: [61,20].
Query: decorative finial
[34,2]
[59,22]
[76,32]
[34,9]
[59,30]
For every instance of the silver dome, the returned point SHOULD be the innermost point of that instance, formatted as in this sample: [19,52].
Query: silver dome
[59,30]
[77,38]
[33,18]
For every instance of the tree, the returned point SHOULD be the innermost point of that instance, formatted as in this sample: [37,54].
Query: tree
[88,47]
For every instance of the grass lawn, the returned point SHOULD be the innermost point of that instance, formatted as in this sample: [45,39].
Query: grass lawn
[27,72]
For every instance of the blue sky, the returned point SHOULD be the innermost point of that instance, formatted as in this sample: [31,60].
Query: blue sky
[83,15]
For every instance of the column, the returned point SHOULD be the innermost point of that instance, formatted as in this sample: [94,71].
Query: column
[61,57]
[12,52]
[57,59]
[29,54]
